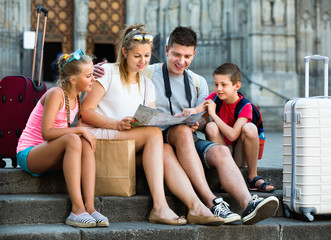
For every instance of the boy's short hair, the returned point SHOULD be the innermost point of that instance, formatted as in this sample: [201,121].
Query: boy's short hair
[229,69]
[183,36]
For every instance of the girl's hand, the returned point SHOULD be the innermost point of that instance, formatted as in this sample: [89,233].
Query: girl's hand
[211,106]
[125,124]
[89,137]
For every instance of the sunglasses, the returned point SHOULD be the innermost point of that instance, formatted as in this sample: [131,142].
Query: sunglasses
[77,55]
[140,38]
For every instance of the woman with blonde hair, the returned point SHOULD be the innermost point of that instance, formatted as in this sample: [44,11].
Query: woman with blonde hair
[109,107]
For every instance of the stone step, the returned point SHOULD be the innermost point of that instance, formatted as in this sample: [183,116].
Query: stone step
[271,229]
[16,181]
[55,208]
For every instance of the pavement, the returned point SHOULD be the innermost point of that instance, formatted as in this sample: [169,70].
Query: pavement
[272,155]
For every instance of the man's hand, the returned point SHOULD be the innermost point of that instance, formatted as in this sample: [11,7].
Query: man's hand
[189,111]
[98,70]
[194,127]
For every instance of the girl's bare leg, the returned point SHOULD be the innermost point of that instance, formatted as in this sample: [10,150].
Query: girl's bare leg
[49,155]
[88,175]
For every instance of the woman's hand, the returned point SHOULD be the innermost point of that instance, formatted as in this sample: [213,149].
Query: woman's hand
[125,124]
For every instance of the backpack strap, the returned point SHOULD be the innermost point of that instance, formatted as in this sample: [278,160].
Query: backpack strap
[218,103]
[196,80]
[257,117]
[149,71]
[240,106]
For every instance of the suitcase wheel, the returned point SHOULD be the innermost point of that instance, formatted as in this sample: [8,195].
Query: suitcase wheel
[14,162]
[308,216]
[2,163]
[287,211]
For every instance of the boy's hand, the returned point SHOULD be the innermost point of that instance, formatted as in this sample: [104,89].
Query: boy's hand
[98,70]
[211,106]
[189,111]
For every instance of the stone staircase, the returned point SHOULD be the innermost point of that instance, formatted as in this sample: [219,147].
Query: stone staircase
[36,208]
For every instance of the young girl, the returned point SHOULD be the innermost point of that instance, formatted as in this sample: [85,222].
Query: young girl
[117,95]
[48,143]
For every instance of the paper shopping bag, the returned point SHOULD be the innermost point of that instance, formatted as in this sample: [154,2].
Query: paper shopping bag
[115,168]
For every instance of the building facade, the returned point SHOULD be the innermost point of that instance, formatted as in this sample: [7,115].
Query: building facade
[267,39]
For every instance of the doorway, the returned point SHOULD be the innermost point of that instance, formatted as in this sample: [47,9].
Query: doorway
[104,52]
[52,51]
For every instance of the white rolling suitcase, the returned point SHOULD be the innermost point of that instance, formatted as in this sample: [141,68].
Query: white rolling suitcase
[307,151]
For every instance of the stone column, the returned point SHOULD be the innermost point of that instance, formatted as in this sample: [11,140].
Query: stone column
[80,24]
[26,26]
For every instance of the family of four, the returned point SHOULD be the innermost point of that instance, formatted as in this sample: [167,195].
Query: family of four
[175,154]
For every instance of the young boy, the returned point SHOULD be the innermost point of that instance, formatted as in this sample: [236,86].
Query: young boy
[240,135]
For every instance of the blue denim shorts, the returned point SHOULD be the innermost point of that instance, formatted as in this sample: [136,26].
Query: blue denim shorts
[22,161]
[202,146]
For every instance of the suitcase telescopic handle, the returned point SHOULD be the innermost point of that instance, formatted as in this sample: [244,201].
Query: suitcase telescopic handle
[42,9]
[326,71]
[45,11]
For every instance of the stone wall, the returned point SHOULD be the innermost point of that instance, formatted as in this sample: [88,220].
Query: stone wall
[267,39]
[14,19]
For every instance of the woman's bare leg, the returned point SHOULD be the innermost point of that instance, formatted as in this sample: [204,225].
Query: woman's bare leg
[149,139]
[180,185]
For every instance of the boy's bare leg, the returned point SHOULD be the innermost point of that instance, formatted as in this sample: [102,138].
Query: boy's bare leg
[250,138]
[213,133]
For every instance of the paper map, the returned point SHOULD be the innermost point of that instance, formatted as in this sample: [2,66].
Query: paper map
[147,116]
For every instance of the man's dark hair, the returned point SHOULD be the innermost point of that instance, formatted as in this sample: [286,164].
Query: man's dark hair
[183,36]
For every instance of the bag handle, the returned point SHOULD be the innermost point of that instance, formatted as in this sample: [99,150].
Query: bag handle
[326,69]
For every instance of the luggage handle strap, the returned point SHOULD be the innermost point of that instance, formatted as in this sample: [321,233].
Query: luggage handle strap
[326,71]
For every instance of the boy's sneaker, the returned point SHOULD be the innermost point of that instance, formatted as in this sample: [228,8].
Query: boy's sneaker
[259,209]
[221,208]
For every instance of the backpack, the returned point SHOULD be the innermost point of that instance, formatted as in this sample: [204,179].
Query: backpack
[257,117]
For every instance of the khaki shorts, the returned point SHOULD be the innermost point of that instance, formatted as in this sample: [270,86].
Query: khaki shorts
[238,153]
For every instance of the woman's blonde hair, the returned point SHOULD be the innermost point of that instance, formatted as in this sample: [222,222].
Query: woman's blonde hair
[127,42]
[70,67]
